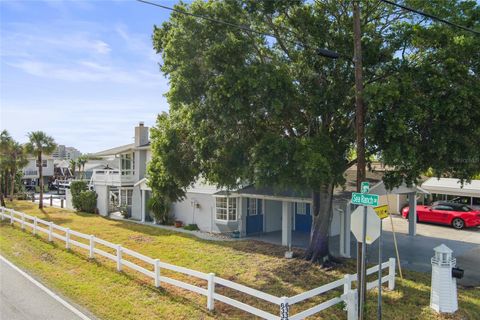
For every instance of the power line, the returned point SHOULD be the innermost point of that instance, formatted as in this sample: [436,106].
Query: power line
[323,52]
[431,16]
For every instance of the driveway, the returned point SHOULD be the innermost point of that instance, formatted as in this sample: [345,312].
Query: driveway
[22,299]
[415,252]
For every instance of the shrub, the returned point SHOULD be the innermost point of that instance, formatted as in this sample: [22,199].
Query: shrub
[87,201]
[191,227]
[83,199]
[159,208]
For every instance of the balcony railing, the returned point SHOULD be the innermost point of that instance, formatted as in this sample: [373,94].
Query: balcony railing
[30,172]
[112,177]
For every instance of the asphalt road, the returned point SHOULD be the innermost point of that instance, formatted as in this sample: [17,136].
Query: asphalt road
[21,299]
[416,252]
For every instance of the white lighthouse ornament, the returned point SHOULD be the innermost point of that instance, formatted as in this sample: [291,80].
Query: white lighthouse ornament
[443,294]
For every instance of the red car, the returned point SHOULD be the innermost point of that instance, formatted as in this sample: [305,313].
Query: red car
[456,215]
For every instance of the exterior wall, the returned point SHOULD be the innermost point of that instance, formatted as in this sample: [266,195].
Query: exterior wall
[136,203]
[102,199]
[68,200]
[395,202]
[203,214]
[140,164]
[30,171]
[273,215]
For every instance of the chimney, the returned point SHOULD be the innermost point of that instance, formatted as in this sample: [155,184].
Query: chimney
[141,134]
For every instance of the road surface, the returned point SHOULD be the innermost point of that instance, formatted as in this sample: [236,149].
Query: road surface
[22,299]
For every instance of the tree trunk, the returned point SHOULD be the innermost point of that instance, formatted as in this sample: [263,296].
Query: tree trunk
[318,250]
[12,188]
[2,199]
[40,174]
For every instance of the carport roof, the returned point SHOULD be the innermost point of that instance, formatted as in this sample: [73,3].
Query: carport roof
[452,186]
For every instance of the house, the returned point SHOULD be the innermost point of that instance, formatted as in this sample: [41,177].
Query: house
[246,211]
[451,189]
[31,174]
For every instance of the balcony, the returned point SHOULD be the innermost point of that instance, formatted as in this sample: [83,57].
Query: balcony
[112,177]
[30,173]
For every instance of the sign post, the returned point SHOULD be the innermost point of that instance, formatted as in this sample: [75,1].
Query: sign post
[382,212]
[366,200]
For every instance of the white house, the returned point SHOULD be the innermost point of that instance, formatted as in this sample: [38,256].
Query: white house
[31,174]
[246,211]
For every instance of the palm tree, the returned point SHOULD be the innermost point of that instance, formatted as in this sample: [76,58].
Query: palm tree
[17,160]
[81,161]
[73,165]
[5,140]
[40,143]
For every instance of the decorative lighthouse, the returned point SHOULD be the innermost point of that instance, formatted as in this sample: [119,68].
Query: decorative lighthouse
[443,294]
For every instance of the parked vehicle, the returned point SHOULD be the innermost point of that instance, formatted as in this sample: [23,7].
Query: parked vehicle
[457,215]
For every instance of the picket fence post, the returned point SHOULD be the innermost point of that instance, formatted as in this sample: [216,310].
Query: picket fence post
[391,274]
[119,257]
[50,231]
[67,239]
[284,308]
[211,292]
[23,221]
[156,267]
[34,225]
[351,300]
[92,247]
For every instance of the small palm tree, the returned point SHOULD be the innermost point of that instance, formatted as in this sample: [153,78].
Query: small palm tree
[5,140]
[17,160]
[40,144]
[81,161]
[73,165]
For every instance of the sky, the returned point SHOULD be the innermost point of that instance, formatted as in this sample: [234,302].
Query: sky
[85,72]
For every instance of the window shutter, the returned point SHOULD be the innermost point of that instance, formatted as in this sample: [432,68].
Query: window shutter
[296,208]
[308,209]
[259,206]
[248,206]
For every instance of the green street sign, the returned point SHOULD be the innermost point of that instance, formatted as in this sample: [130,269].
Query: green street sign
[365,187]
[370,200]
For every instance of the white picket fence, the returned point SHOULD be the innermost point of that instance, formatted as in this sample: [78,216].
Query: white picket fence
[349,296]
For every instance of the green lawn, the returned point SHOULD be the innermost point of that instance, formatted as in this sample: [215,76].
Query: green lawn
[108,294]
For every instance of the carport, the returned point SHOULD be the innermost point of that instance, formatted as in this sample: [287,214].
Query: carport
[411,192]
[449,188]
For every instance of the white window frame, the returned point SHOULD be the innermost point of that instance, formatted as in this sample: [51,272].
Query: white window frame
[124,159]
[228,210]
[123,193]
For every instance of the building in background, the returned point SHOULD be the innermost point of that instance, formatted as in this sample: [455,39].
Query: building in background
[65,153]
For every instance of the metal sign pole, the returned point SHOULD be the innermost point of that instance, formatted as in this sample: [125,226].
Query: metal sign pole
[364,254]
[379,307]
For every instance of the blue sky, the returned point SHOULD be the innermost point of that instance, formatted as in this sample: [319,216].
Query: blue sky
[82,71]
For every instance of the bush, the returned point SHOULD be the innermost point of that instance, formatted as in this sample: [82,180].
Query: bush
[87,201]
[83,199]
[191,227]
[159,208]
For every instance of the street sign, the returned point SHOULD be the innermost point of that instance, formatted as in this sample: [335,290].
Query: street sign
[382,211]
[365,187]
[365,199]
[373,225]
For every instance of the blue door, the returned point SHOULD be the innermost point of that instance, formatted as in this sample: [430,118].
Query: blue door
[303,217]
[254,216]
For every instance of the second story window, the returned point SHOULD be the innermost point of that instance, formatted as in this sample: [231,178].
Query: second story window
[127,164]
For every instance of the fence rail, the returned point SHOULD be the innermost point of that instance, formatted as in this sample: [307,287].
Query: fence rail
[348,297]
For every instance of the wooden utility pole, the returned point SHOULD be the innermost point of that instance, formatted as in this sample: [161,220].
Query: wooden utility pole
[359,128]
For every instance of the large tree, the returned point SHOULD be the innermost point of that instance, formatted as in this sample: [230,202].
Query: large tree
[40,144]
[270,110]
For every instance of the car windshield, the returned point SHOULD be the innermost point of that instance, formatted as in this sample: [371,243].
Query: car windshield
[465,208]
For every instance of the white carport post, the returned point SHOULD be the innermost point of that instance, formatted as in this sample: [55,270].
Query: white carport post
[143,207]
[412,213]
[286,224]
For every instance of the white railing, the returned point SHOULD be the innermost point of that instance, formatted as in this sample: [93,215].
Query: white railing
[120,254]
[111,177]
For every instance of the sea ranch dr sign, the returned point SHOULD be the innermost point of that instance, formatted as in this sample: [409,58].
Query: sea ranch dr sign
[365,199]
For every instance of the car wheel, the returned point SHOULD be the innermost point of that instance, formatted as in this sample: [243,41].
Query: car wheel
[458,223]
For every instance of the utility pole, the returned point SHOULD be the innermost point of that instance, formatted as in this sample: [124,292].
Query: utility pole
[360,131]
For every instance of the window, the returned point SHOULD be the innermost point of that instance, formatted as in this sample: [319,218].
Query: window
[301,208]
[476,201]
[127,164]
[226,208]
[442,208]
[44,163]
[251,207]
[126,197]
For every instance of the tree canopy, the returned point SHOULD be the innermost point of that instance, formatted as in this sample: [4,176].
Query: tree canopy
[249,108]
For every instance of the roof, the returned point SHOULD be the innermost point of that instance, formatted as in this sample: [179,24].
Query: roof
[452,186]
[381,190]
[270,193]
[116,150]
